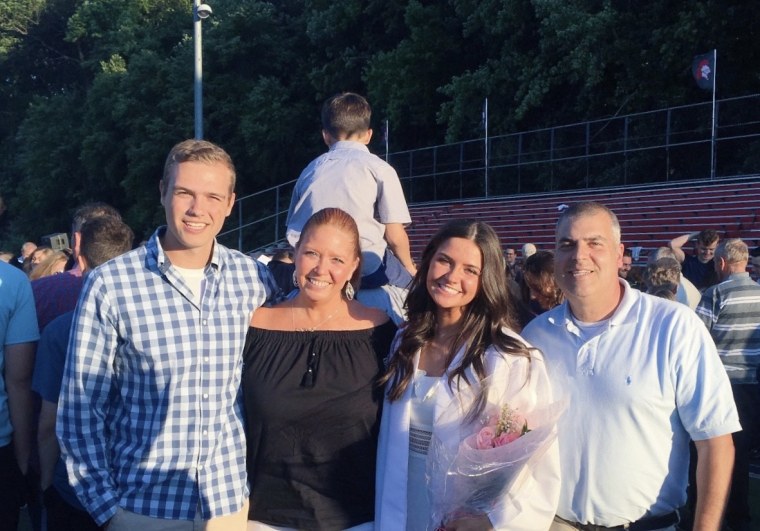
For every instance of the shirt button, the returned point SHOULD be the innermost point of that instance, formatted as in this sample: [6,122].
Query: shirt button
[205,358]
[205,322]
[205,432]
[200,467]
[205,395]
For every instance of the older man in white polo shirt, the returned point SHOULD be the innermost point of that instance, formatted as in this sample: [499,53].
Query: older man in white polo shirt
[643,377]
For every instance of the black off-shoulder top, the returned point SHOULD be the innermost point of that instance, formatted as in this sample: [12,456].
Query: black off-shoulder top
[313,415]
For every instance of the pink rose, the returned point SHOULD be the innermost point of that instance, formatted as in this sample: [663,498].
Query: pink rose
[505,438]
[485,437]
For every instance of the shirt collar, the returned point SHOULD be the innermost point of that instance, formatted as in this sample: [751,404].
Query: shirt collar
[623,314]
[349,144]
[156,252]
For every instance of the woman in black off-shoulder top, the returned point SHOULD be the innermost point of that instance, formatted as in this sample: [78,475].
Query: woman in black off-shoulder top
[312,403]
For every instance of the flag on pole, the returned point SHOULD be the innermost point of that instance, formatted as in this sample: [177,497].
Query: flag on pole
[703,70]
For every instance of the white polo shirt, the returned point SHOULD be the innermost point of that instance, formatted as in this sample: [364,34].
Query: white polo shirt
[649,381]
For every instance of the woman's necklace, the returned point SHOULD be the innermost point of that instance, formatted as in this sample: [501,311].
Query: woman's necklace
[313,328]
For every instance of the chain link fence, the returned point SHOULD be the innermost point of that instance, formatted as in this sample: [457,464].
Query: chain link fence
[672,144]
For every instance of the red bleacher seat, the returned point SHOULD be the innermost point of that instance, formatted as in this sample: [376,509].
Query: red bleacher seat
[650,216]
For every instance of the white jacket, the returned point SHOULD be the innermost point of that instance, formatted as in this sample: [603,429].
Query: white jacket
[525,384]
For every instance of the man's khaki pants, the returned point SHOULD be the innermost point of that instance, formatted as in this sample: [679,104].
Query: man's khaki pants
[127,521]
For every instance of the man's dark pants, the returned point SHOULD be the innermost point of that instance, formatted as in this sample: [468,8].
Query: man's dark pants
[12,489]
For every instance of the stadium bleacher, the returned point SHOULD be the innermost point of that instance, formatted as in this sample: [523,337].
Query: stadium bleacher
[650,216]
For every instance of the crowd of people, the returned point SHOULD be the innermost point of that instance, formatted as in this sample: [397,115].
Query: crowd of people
[39,261]
[182,385]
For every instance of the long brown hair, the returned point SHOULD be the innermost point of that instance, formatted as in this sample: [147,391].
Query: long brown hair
[483,321]
[538,274]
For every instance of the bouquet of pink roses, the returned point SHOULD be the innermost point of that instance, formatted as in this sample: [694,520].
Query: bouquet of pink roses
[494,449]
[501,429]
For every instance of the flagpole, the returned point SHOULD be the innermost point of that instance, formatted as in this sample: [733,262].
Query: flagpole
[712,139]
[485,149]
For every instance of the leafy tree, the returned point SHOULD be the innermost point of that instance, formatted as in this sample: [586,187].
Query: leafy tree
[93,94]
[405,80]
[253,90]
[17,18]
[39,69]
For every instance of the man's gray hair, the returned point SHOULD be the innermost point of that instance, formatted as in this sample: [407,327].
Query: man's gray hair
[589,208]
[732,251]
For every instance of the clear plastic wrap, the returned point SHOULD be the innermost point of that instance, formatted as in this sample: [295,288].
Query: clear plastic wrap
[463,479]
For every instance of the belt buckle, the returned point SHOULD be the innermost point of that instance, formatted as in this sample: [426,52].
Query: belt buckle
[596,527]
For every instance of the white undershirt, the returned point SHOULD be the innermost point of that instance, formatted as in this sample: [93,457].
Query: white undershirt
[420,430]
[194,280]
[589,331]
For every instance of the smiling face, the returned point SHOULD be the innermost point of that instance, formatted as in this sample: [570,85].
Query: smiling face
[326,258]
[626,267]
[453,279]
[705,253]
[587,259]
[197,198]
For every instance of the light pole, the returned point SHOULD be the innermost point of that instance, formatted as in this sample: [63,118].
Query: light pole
[200,12]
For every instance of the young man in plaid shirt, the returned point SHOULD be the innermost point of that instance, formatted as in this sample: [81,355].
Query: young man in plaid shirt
[150,418]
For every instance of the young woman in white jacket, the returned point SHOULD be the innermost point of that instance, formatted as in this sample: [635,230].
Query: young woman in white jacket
[457,349]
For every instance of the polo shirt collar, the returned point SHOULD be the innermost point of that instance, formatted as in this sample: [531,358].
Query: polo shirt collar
[625,313]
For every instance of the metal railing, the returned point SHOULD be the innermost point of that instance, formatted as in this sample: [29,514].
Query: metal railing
[665,145]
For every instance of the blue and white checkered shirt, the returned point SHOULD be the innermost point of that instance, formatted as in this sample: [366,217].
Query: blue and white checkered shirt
[150,415]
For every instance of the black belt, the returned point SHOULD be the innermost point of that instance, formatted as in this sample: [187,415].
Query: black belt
[645,524]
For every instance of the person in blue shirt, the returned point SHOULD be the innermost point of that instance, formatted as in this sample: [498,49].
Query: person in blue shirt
[18,340]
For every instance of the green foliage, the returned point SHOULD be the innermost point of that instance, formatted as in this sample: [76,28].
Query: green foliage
[46,193]
[93,93]
[16,19]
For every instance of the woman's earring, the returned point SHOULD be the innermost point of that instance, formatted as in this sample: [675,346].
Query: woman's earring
[349,291]
[295,280]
